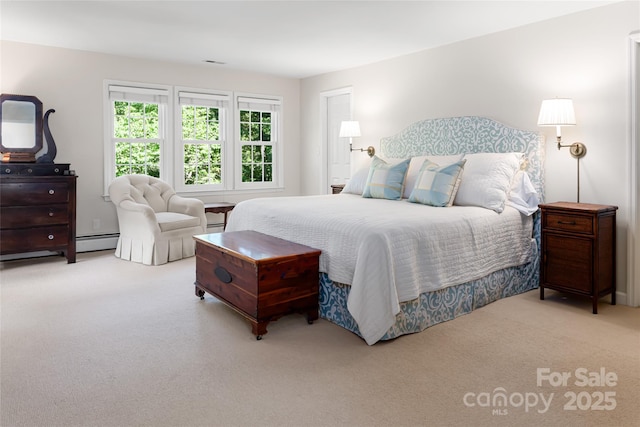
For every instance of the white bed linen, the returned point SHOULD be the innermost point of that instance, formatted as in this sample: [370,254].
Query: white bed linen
[391,251]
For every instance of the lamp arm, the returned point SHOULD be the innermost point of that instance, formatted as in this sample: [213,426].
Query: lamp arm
[369,150]
[577,149]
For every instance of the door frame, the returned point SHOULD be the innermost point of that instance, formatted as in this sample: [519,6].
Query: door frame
[633,240]
[324,119]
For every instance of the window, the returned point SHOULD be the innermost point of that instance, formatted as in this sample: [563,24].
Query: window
[201,149]
[136,131]
[194,139]
[258,121]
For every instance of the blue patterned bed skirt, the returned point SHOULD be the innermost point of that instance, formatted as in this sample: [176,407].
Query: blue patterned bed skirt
[435,307]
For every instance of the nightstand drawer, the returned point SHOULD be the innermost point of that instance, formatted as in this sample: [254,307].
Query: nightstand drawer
[572,223]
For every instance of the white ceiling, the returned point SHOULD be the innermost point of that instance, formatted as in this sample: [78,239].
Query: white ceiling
[286,38]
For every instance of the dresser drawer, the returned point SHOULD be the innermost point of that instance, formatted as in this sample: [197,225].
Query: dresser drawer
[25,193]
[31,216]
[33,239]
[568,222]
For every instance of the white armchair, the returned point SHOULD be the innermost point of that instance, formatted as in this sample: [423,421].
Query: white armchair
[156,225]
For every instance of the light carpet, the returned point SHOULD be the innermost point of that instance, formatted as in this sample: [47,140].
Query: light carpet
[106,342]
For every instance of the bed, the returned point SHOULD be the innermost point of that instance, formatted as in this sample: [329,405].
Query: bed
[398,262]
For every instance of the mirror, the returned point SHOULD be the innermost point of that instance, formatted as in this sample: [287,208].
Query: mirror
[20,127]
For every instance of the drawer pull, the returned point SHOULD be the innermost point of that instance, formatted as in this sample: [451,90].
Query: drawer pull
[7,170]
[50,236]
[50,213]
[567,222]
[51,191]
[222,274]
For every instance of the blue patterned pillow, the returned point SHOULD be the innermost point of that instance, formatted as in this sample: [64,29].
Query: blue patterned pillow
[385,181]
[437,185]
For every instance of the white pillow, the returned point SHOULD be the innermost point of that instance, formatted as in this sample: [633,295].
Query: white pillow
[355,184]
[417,162]
[487,179]
[523,195]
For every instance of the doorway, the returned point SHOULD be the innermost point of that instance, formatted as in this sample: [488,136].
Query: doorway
[336,165]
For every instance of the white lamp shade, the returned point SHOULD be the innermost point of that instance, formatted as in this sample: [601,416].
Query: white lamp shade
[349,129]
[557,112]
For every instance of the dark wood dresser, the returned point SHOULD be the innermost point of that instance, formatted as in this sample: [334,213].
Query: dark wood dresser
[38,213]
[579,250]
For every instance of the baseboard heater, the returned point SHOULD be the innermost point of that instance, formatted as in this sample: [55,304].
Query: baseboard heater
[97,242]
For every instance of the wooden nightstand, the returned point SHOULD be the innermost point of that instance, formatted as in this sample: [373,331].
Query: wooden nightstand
[579,250]
[337,188]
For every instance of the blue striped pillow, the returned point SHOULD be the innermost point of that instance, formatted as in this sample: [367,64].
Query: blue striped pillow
[437,185]
[385,181]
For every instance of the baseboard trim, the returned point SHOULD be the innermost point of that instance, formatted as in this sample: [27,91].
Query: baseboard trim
[99,242]
[621,298]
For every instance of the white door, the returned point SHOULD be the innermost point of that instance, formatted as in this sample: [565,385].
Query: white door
[338,154]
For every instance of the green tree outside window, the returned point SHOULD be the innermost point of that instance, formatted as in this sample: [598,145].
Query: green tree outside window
[202,148]
[136,134]
[257,155]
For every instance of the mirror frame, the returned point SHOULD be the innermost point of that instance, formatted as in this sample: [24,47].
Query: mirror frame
[38,124]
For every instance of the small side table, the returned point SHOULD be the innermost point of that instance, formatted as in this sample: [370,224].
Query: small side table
[337,188]
[220,207]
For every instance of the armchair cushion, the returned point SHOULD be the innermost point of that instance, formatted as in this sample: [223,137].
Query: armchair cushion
[173,221]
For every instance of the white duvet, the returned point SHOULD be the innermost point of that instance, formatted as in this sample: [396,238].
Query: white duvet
[391,251]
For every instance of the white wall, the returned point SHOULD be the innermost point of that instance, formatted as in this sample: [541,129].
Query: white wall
[71,82]
[505,76]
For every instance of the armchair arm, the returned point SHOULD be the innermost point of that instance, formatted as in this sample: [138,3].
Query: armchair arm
[136,217]
[184,205]
[188,206]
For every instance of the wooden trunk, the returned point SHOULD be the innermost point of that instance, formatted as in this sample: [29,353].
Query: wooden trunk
[260,276]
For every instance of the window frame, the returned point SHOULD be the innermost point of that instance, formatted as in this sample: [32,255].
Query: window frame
[226,135]
[136,92]
[276,107]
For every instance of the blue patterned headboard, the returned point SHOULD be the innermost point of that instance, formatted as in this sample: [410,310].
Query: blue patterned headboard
[470,134]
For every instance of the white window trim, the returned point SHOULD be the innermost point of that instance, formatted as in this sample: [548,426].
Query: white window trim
[278,146]
[227,138]
[109,152]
